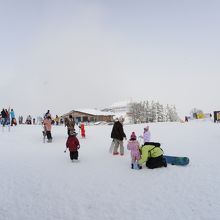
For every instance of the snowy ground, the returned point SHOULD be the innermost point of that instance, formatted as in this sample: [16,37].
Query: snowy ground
[39,182]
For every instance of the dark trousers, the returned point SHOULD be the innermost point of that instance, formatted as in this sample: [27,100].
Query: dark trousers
[155,162]
[74,155]
[13,122]
[4,120]
[48,133]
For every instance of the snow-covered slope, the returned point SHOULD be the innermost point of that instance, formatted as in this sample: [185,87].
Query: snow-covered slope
[39,182]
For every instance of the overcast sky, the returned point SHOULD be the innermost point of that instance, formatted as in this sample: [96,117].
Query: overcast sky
[67,54]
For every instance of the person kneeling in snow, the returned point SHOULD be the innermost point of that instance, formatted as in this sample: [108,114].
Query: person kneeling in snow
[152,155]
[73,144]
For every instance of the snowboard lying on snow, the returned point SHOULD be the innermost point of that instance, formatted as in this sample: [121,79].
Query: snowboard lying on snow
[174,160]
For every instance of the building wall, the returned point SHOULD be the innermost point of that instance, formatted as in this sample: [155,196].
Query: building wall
[84,117]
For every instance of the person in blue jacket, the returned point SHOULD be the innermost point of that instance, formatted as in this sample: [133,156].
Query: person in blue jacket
[13,120]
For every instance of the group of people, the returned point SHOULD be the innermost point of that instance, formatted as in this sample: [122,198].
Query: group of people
[7,117]
[150,153]
[72,142]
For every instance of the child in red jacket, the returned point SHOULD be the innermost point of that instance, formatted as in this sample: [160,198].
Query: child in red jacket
[73,144]
[83,132]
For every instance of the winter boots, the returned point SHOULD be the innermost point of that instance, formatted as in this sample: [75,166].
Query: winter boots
[136,166]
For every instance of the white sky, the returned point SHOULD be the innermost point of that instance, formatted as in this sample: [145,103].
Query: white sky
[61,55]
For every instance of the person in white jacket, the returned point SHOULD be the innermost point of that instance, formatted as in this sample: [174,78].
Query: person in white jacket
[146,134]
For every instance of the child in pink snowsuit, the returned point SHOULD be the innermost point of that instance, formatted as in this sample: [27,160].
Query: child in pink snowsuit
[133,146]
[47,128]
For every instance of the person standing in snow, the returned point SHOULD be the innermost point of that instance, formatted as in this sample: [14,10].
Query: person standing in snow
[20,119]
[133,146]
[47,114]
[118,135]
[4,117]
[73,144]
[13,120]
[70,124]
[56,120]
[82,129]
[47,127]
[7,116]
[29,120]
[146,134]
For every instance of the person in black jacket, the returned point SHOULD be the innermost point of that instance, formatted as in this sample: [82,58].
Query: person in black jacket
[118,135]
[4,117]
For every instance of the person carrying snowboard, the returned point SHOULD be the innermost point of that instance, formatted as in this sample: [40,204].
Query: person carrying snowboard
[152,155]
[73,144]
[118,135]
[133,146]
[47,127]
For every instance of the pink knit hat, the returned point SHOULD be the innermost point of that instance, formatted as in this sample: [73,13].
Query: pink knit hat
[133,135]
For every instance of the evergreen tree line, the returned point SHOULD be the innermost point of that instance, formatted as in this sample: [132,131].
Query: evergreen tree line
[144,112]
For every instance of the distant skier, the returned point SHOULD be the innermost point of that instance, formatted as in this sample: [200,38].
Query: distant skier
[118,135]
[47,126]
[133,146]
[73,144]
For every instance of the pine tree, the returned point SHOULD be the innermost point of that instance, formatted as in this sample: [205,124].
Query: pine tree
[160,112]
[155,112]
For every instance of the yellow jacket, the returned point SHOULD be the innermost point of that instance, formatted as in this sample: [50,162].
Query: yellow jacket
[149,151]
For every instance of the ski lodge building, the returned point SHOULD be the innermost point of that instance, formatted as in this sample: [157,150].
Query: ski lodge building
[89,115]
